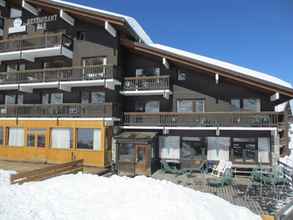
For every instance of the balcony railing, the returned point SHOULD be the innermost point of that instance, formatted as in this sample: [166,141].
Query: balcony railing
[36,42]
[60,110]
[59,74]
[208,119]
[146,83]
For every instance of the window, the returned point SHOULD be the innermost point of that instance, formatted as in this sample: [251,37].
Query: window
[12,99]
[97,97]
[52,98]
[199,105]
[152,106]
[61,138]
[139,72]
[184,106]
[193,148]
[181,76]
[88,138]
[251,105]
[93,61]
[16,137]
[236,105]
[15,13]
[1,136]
[36,137]
[196,105]
[80,35]
[126,152]
[56,98]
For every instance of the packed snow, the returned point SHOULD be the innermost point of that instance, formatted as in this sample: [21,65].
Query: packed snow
[86,196]
[5,177]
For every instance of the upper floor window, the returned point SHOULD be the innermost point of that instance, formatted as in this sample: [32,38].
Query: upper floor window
[12,99]
[236,105]
[93,97]
[252,105]
[15,13]
[52,98]
[181,76]
[191,105]
[152,106]
[148,71]
[94,61]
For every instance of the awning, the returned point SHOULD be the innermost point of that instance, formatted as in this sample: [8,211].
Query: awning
[136,137]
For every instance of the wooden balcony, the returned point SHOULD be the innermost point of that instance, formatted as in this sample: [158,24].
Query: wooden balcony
[88,73]
[31,47]
[60,110]
[146,83]
[208,119]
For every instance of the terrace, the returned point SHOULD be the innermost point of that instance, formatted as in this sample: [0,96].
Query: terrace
[147,85]
[63,78]
[31,47]
[62,110]
[206,119]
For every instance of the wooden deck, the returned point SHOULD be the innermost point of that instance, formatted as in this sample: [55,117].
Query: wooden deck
[20,167]
[235,193]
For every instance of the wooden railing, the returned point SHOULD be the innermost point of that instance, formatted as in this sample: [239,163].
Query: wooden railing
[207,119]
[60,110]
[60,74]
[146,83]
[47,172]
[36,42]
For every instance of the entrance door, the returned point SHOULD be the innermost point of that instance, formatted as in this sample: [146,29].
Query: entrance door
[244,150]
[142,159]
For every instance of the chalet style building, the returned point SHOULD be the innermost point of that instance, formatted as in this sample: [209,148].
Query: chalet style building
[82,83]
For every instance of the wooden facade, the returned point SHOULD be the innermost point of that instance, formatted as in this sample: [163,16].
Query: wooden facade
[64,66]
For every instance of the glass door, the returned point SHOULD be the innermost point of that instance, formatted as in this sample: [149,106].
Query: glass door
[142,159]
[244,150]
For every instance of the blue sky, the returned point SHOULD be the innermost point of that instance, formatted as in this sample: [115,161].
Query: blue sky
[257,34]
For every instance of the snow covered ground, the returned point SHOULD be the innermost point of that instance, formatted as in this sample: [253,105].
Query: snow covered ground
[5,177]
[86,197]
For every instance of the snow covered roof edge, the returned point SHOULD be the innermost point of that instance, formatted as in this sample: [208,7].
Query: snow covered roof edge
[223,64]
[131,21]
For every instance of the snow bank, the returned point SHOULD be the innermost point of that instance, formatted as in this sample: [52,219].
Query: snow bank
[85,196]
[5,177]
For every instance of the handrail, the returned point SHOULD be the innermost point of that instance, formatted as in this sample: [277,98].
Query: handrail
[202,119]
[146,77]
[60,74]
[60,110]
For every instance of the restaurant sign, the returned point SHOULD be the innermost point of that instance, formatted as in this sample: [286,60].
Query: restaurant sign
[39,22]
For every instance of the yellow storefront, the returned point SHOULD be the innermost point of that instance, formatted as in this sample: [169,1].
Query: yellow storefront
[56,141]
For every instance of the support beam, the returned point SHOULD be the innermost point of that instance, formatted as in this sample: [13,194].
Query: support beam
[166,63]
[66,17]
[65,88]
[25,89]
[166,95]
[166,131]
[110,29]
[275,97]
[30,8]
[110,85]
[217,78]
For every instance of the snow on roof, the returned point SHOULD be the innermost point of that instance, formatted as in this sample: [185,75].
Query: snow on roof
[95,197]
[131,21]
[226,65]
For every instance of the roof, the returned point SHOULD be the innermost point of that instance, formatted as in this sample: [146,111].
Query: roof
[226,65]
[131,21]
[144,37]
